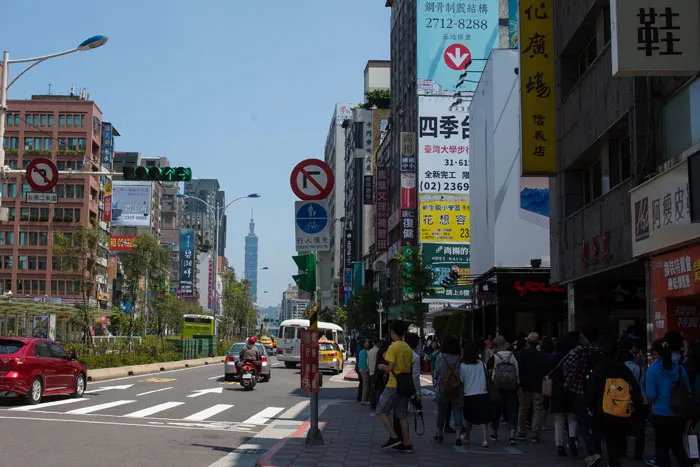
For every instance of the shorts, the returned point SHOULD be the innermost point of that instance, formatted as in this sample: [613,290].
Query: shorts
[390,400]
[477,409]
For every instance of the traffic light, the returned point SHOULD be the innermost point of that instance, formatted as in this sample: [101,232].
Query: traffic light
[154,174]
[307,265]
[451,280]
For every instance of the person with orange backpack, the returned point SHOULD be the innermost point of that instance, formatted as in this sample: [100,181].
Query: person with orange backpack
[611,397]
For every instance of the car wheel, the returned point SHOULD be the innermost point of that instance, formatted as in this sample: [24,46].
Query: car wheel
[36,391]
[79,386]
[228,377]
[290,365]
[266,378]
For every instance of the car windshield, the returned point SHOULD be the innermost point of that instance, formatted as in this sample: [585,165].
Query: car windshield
[8,346]
[236,348]
[326,346]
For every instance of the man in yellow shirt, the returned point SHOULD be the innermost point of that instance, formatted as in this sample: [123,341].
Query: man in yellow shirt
[398,390]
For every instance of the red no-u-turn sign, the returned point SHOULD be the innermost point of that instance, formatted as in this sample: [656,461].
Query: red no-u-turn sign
[312,180]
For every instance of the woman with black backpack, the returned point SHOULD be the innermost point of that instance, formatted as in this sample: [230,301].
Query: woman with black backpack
[449,388]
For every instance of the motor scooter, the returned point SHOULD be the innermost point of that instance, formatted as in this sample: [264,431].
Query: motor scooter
[249,376]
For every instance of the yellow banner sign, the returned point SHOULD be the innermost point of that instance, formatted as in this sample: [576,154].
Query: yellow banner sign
[108,189]
[444,221]
[537,98]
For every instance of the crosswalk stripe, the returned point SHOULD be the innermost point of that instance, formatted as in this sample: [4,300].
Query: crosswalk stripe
[155,409]
[264,416]
[208,413]
[27,408]
[98,407]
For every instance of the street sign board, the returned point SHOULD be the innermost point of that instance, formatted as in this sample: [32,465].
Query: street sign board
[312,226]
[41,198]
[42,174]
[457,56]
[312,180]
[309,360]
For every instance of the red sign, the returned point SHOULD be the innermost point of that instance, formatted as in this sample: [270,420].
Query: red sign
[381,199]
[42,174]
[408,190]
[531,286]
[677,314]
[107,211]
[596,250]
[210,292]
[121,242]
[676,274]
[312,180]
[309,360]
[457,56]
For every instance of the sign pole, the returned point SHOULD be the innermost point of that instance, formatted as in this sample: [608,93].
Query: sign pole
[314,436]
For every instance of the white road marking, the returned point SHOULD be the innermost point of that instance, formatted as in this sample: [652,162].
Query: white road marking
[97,408]
[264,416]
[208,413]
[27,408]
[200,392]
[109,388]
[216,377]
[155,409]
[155,390]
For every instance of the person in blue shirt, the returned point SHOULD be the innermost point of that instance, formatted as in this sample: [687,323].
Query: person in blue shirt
[364,371]
[669,427]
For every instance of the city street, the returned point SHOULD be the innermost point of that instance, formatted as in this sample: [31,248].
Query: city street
[185,417]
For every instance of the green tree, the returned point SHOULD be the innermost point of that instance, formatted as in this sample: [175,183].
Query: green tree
[362,314]
[119,323]
[338,316]
[238,314]
[78,254]
[418,279]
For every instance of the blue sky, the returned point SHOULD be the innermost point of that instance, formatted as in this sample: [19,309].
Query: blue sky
[238,90]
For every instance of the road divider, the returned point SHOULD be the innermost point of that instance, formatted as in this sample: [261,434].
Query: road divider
[104,374]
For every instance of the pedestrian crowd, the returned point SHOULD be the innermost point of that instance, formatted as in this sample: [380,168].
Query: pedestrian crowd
[598,388]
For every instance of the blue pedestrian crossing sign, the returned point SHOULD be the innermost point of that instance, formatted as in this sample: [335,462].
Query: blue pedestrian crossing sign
[312,225]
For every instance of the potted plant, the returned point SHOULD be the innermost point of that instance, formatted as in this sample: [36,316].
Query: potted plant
[43,218]
[23,218]
[67,218]
[57,218]
[34,218]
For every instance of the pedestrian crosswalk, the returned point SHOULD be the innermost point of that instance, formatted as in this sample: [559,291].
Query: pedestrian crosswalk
[171,410]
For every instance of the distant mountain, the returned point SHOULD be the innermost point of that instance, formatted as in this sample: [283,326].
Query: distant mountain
[535,200]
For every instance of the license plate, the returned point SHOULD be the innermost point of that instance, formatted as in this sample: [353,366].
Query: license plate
[247,376]
[287,350]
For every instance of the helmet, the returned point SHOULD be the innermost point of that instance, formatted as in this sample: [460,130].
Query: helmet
[252,340]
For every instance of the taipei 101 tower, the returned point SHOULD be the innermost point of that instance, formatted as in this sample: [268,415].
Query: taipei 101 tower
[251,259]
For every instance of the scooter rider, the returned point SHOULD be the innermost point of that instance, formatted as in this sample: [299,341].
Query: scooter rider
[250,353]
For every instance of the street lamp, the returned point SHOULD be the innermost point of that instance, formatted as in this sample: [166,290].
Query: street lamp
[380,310]
[219,214]
[88,44]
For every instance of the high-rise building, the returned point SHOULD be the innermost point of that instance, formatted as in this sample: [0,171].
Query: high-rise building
[67,130]
[292,307]
[198,215]
[250,270]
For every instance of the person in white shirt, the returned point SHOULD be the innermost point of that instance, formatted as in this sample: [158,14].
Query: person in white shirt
[477,405]
[371,364]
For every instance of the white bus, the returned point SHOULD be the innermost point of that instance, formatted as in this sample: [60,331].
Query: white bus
[289,339]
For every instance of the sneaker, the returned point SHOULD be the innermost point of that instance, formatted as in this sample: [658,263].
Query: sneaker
[535,440]
[561,451]
[573,447]
[520,436]
[391,443]
[403,447]
[458,442]
[651,461]
[512,441]
[484,444]
[593,460]
[493,436]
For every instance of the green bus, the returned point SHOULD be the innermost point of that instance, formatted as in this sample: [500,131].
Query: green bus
[197,325]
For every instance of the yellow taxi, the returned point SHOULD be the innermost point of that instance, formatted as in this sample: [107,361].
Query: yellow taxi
[274,341]
[267,343]
[330,357]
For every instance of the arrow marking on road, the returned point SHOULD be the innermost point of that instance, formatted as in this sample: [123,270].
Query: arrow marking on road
[155,390]
[109,388]
[200,392]
[458,58]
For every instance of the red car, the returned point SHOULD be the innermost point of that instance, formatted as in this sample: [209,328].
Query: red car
[34,368]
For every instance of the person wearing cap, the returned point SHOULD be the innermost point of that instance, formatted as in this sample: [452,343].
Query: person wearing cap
[533,366]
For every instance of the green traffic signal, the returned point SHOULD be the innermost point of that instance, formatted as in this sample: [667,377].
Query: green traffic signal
[307,266]
[154,174]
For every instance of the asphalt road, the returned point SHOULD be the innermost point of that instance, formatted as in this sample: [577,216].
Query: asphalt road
[188,417]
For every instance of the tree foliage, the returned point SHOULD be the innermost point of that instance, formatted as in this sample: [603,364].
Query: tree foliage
[78,253]
[362,314]
[338,316]
[379,98]
[238,314]
[418,279]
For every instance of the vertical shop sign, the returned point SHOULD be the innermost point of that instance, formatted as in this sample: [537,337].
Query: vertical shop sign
[187,262]
[210,292]
[382,203]
[107,203]
[408,151]
[408,191]
[537,98]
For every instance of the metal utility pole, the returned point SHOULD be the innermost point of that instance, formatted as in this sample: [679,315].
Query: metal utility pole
[314,436]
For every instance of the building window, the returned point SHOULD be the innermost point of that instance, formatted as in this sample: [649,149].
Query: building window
[11,143]
[28,144]
[47,144]
[62,144]
[69,121]
[44,237]
[43,119]
[81,144]
[61,121]
[26,188]
[33,238]
[60,189]
[61,287]
[61,165]
[9,190]
[38,143]
[22,263]
[17,119]
[41,263]
[587,56]
[79,191]
[23,238]
[82,121]
[50,120]
[680,120]
[620,163]
[31,263]
[53,288]
[8,262]
[56,263]
[35,120]
[11,214]
[42,286]
[72,144]
[592,183]
[70,191]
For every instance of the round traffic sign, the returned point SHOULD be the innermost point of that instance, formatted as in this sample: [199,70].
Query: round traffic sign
[457,56]
[312,180]
[42,174]
[312,218]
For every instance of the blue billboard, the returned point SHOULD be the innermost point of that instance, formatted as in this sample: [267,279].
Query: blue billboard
[187,262]
[107,144]
[453,37]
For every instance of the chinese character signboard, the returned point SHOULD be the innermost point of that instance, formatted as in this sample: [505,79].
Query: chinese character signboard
[112,267]
[443,145]
[367,190]
[348,248]
[107,144]
[655,37]
[537,98]
[312,226]
[408,190]
[408,152]
[107,203]
[661,212]
[342,113]
[131,204]
[444,258]
[121,242]
[453,37]
[408,227]
[210,291]
[444,221]
[382,210]
[347,284]
[187,262]
[676,274]
[309,360]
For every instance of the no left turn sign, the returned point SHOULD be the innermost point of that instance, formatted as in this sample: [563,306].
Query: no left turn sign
[312,180]
[42,174]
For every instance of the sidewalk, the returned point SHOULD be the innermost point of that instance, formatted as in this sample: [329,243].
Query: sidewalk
[353,438]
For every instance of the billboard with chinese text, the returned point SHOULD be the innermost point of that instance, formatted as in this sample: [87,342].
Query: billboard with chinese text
[131,204]
[444,258]
[187,266]
[121,242]
[444,221]
[382,210]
